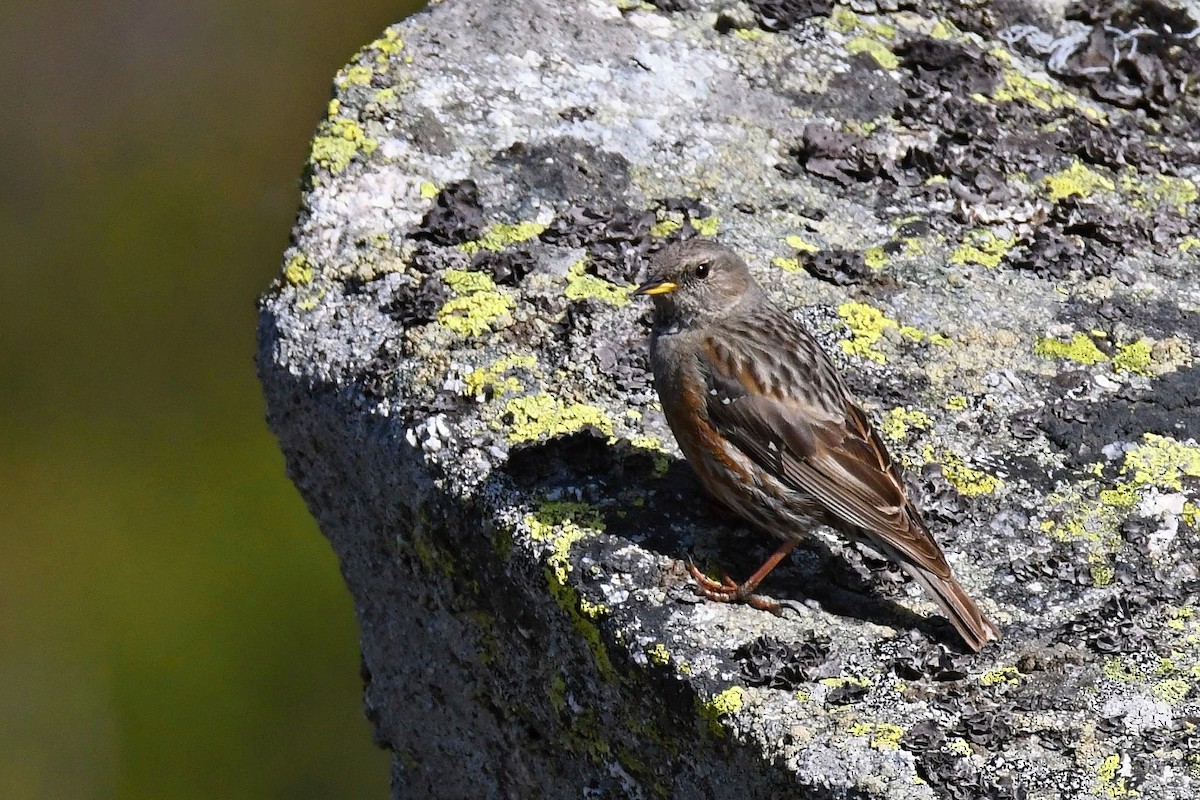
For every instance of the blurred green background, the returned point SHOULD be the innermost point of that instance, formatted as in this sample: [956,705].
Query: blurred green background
[172,624]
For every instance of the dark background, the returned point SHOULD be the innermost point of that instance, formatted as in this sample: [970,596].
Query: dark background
[172,624]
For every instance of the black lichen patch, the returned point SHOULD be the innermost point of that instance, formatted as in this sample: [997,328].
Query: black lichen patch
[456,216]
[507,267]
[563,170]
[618,240]
[1159,318]
[1134,55]
[413,304]
[1114,628]
[842,157]
[769,662]
[1168,408]
[836,266]
[782,15]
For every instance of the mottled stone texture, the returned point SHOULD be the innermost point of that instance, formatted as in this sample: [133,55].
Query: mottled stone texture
[986,211]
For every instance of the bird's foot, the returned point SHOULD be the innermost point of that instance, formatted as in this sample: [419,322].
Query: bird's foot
[728,591]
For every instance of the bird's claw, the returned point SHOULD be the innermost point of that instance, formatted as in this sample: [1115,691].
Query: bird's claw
[728,591]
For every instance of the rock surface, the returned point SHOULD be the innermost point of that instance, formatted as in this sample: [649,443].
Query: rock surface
[989,215]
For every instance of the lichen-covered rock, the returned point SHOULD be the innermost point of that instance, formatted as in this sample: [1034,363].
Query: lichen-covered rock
[988,214]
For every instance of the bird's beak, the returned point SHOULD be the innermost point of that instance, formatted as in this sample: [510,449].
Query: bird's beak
[656,286]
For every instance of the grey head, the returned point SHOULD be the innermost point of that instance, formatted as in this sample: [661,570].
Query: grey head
[698,282]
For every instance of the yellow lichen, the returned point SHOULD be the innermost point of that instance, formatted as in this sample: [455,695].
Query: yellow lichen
[875,257]
[1134,357]
[1039,93]
[297,271]
[982,247]
[658,654]
[337,142]
[883,735]
[1009,676]
[581,285]
[874,48]
[1081,349]
[897,421]
[496,376]
[1159,190]
[1075,180]
[479,306]
[358,75]
[797,243]
[502,235]
[1162,462]
[707,226]
[543,415]
[562,524]
[428,190]
[866,324]
[1110,784]
[956,402]
[968,481]
[665,228]
[727,702]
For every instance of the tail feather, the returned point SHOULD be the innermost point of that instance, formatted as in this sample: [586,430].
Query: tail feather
[975,629]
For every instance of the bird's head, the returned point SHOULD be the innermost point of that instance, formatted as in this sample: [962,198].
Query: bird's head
[696,282]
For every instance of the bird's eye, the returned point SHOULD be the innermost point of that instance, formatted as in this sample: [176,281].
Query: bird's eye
[702,270]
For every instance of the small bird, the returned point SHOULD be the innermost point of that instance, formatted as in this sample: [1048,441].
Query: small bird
[765,420]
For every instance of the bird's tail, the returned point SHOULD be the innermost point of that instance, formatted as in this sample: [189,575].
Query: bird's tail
[975,629]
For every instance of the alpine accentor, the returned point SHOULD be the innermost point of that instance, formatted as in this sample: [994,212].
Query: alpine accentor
[763,417]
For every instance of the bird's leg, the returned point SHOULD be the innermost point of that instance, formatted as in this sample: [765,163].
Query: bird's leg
[727,591]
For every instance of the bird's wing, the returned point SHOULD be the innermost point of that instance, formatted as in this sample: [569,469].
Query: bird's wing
[826,450]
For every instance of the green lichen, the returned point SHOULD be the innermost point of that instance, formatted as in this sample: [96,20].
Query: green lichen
[1134,357]
[542,415]
[582,285]
[1076,180]
[501,235]
[562,524]
[1081,349]
[338,141]
[479,306]
[983,247]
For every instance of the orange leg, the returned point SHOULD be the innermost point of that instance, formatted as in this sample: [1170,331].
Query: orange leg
[727,591]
